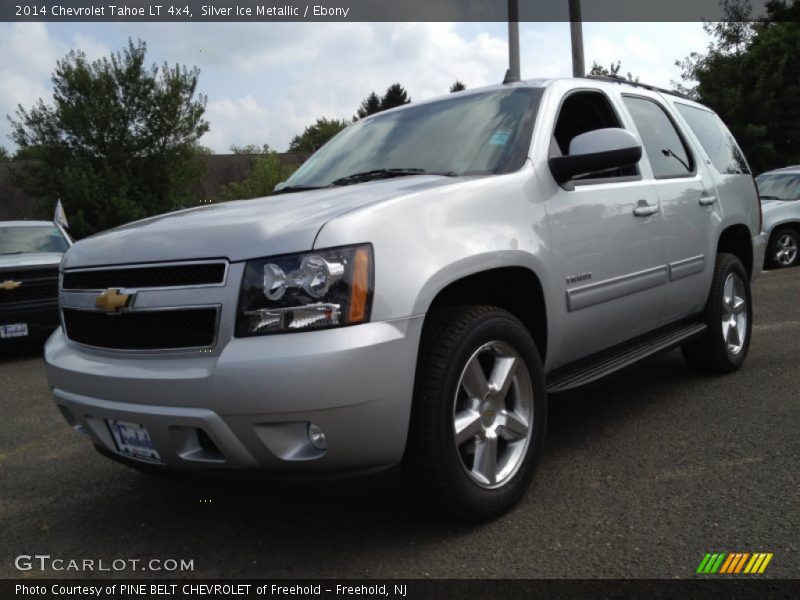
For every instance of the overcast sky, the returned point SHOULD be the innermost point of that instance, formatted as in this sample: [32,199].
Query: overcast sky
[265,82]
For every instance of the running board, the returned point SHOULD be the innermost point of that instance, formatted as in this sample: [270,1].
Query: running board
[610,361]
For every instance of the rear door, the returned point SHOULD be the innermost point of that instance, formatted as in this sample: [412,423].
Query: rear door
[688,200]
[725,162]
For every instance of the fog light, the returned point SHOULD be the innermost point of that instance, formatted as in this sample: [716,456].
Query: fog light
[317,437]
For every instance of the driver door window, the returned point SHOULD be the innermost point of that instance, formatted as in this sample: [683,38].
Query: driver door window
[582,112]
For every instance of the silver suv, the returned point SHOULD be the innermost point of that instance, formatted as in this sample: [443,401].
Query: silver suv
[415,290]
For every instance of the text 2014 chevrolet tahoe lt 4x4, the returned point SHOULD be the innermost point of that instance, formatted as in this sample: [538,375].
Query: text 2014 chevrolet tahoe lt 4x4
[412,293]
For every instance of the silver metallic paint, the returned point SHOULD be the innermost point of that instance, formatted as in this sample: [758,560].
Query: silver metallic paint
[427,232]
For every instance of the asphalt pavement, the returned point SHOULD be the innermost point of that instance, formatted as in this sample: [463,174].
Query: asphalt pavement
[641,476]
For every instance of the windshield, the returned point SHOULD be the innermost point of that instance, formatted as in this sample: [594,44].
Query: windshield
[19,240]
[470,134]
[779,187]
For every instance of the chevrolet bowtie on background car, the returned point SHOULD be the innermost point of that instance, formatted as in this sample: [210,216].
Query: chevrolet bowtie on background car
[30,252]
[780,196]
[412,293]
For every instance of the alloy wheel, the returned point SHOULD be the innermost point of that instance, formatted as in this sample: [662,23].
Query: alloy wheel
[786,250]
[734,313]
[493,414]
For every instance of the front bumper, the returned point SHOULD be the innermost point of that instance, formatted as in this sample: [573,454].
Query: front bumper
[253,400]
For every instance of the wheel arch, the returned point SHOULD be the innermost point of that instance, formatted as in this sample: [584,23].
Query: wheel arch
[794,225]
[736,239]
[517,289]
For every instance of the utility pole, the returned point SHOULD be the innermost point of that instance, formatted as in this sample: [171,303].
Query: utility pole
[513,42]
[576,33]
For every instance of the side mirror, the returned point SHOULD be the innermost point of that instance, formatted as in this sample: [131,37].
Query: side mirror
[597,150]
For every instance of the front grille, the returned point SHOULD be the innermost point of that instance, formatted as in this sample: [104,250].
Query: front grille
[36,285]
[146,277]
[29,274]
[146,330]
[29,292]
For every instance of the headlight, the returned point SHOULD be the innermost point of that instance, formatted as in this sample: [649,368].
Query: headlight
[313,290]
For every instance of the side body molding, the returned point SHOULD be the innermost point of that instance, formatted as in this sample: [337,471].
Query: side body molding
[611,289]
[686,267]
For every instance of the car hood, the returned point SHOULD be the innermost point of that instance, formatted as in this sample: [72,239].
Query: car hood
[242,229]
[770,205]
[30,259]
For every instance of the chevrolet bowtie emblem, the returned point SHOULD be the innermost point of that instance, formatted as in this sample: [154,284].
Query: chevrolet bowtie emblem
[112,301]
[9,285]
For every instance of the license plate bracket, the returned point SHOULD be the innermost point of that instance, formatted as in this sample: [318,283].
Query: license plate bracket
[13,330]
[133,440]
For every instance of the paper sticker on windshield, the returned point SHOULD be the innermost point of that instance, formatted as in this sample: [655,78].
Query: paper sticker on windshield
[500,137]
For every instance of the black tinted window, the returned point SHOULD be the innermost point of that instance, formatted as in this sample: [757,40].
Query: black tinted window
[580,113]
[716,140]
[663,145]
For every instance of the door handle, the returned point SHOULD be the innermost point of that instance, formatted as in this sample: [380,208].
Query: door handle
[707,200]
[643,209]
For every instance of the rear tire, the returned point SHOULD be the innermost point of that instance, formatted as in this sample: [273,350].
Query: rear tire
[728,314]
[479,413]
[783,248]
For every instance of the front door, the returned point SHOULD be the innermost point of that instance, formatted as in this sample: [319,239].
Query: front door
[607,236]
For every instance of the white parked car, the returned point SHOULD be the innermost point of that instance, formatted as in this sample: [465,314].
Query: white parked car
[780,197]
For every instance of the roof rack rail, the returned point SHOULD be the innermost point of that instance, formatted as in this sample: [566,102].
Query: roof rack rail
[652,88]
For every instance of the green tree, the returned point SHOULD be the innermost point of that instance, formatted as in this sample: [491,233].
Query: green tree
[117,143]
[314,136]
[612,71]
[457,86]
[250,149]
[750,77]
[369,106]
[395,95]
[4,155]
[267,172]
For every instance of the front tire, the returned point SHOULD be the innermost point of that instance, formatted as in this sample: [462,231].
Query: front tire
[479,413]
[783,248]
[728,314]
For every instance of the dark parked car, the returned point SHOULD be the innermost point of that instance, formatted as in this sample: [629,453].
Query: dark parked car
[30,252]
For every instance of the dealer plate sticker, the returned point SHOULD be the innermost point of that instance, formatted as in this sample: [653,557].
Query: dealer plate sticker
[133,440]
[13,330]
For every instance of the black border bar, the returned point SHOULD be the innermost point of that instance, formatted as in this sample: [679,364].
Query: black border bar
[401,589]
[360,10]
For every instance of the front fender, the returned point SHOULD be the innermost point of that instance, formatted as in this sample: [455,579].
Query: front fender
[425,241]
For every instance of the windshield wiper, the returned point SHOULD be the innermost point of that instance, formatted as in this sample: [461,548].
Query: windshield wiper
[7,253]
[768,197]
[385,174]
[298,188]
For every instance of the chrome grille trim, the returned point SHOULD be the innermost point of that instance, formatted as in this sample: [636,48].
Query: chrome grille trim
[143,266]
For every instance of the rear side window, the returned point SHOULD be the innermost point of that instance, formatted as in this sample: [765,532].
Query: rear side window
[665,149]
[716,140]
